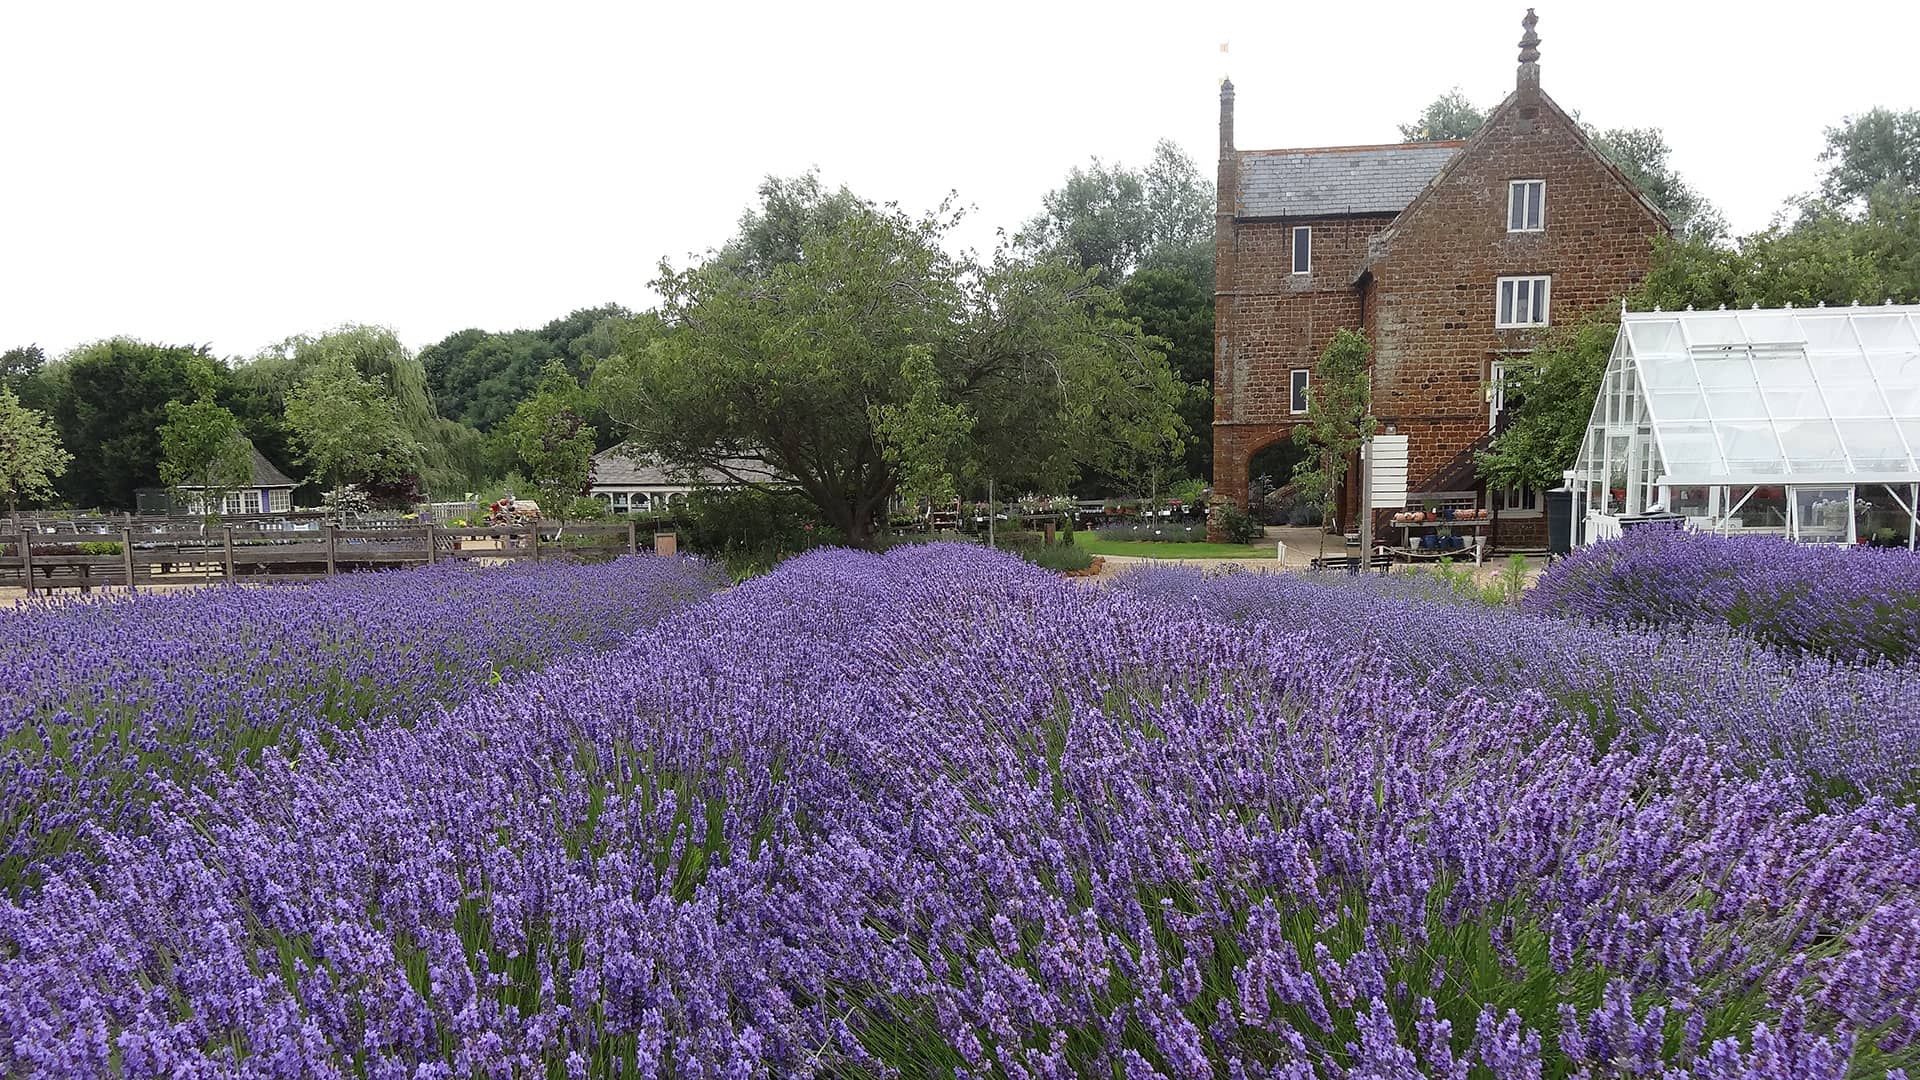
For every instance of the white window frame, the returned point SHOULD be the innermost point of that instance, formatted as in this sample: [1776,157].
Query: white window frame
[279,500]
[1496,391]
[1532,285]
[1512,502]
[1299,385]
[1293,252]
[1517,198]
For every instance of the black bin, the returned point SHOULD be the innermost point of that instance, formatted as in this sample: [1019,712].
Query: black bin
[1559,522]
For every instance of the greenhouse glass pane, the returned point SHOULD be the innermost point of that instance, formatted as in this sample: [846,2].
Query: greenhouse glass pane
[1690,451]
[1706,330]
[1736,403]
[1667,372]
[1655,339]
[1879,333]
[1840,367]
[1874,445]
[1854,399]
[1795,403]
[1728,369]
[1751,447]
[1672,406]
[1771,327]
[1829,335]
[1812,446]
[1777,368]
[1823,514]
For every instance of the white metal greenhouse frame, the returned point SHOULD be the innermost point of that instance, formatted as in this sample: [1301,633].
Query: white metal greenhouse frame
[1803,422]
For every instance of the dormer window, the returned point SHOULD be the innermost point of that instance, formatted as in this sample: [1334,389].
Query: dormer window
[1526,205]
[1302,249]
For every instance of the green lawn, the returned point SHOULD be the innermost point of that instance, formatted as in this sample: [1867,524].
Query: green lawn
[1157,550]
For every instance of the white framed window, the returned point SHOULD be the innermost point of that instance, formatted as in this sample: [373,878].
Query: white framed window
[1302,249]
[1496,392]
[230,503]
[279,500]
[1526,205]
[1516,502]
[1297,397]
[1522,301]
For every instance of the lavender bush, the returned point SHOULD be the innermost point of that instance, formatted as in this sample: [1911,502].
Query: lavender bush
[104,702]
[941,814]
[1850,603]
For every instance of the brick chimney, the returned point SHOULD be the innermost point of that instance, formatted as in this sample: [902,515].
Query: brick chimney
[1528,82]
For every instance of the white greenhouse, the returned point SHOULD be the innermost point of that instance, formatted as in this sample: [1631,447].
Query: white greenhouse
[1803,422]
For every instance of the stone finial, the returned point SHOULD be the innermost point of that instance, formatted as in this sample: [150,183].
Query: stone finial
[1530,41]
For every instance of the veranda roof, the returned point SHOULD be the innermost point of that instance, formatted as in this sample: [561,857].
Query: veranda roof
[1761,396]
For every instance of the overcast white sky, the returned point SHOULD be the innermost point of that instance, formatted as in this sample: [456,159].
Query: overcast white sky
[236,173]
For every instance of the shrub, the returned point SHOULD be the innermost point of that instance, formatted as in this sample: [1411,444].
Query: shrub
[1235,524]
[586,508]
[1853,603]
[751,530]
[1061,557]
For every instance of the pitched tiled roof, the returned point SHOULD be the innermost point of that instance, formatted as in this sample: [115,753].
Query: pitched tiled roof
[1338,179]
[618,468]
[265,474]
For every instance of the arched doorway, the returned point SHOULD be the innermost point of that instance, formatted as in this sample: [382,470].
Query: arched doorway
[1270,481]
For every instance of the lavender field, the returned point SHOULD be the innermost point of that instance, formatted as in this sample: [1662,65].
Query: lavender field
[940,813]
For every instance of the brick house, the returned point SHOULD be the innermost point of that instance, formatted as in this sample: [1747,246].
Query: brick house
[1449,256]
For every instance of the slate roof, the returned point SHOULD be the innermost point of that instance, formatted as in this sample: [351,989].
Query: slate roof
[1338,179]
[616,468]
[265,475]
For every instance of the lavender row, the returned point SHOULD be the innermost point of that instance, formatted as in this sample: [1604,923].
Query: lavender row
[940,814]
[106,702]
[1849,603]
[1850,730]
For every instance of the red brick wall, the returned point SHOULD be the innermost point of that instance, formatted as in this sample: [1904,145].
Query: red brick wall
[1436,283]
[1428,304]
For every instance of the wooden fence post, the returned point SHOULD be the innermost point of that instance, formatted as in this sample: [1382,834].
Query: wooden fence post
[333,532]
[536,540]
[633,537]
[226,544]
[432,545]
[26,554]
[126,556]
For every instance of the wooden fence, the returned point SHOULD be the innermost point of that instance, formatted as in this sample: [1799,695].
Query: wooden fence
[134,557]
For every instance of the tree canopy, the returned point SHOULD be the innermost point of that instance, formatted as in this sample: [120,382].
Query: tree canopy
[113,402]
[201,447]
[1877,151]
[1550,394]
[1117,219]
[478,377]
[1339,417]
[552,439]
[867,347]
[31,457]
[350,431]
[1449,116]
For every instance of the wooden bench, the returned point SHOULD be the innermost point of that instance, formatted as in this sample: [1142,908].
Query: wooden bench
[1351,563]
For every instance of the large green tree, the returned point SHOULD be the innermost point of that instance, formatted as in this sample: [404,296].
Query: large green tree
[1339,417]
[844,345]
[478,377]
[1450,116]
[113,402]
[31,457]
[1117,218]
[1177,308]
[201,447]
[1877,151]
[452,455]
[552,439]
[350,431]
[1549,394]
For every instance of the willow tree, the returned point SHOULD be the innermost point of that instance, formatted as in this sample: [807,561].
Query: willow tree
[841,343]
